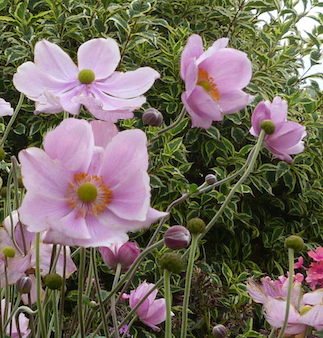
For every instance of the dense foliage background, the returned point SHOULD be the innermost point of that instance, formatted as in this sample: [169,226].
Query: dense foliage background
[278,199]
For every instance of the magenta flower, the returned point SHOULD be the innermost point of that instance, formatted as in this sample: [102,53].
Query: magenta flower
[214,80]
[89,187]
[316,255]
[152,311]
[287,136]
[123,254]
[5,108]
[58,84]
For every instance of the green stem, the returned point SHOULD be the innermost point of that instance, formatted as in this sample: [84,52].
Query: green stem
[12,120]
[168,299]
[39,287]
[289,291]
[80,292]
[113,303]
[272,332]
[188,280]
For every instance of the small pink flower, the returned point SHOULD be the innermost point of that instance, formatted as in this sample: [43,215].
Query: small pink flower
[316,255]
[299,263]
[124,254]
[58,84]
[152,311]
[5,108]
[214,80]
[315,274]
[89,186]
[287,136]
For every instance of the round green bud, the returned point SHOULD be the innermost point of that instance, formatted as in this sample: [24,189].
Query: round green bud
[305,309]
[3,192]
[294,242]
[86,76]
[23,284]
[9,251]
[2,154]
[53,281]
[93,305]
[196,225]
[172,262]
[87,192]
[268,126]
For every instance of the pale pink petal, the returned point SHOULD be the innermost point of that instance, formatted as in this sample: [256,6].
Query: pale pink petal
[256,291]
[191,78]
[100,55]
[70,100]
[52,60]
[103,132]
[48,103]
[314,297]
[5,108]
[156,313]
[192,50]
[126,85]
[71,143]
[278,109]
[261,112]
[233,101]
[313,317]
[218,44]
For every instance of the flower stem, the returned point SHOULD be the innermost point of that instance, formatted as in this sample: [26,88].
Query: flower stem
[168,299]
[80,292]
[289,291]
[113,302]
[188,280]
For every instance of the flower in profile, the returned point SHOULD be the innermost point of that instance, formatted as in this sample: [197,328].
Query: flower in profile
[152,311]
[5,108]
[11,330]
[123,254]
[58,84]
[287,136]
[89,186]
[214,80]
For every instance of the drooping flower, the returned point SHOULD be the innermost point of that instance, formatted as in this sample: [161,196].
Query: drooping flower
[89,186]
[11,330]
[214,80]
[152,311]
[5,108]
[287,137]
[123,254]
[58,84]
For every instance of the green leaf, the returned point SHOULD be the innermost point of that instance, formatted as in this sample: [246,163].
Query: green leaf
[282,168]
[120,23]
[3,4]
[227,272]
[21,10]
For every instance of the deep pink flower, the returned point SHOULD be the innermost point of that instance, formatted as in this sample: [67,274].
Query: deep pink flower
[316,255]
[5,108]
[315,274]
[90,186]
[124,254]
[299,263]
[287,136]
[58,84]
[177,237]
[152,311]
[214,80]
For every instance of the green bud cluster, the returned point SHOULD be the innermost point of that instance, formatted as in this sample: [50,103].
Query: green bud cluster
[172,262]
[196,225]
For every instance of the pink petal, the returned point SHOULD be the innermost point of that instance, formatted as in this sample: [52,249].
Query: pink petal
[126,85]
[5,108]
[156,313]
[314,297]
[52,60]
[313,317]
[261,112]
[100,55]
[191,78]
[278,110]
[103,132]
[233,101]
[218,44]
[192,50]
[48,103]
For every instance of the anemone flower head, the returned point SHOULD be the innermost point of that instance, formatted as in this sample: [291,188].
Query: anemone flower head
[286,138]
[312,312]
[58,84]
[5,108]
[152,311]
[89,186]
[213,80]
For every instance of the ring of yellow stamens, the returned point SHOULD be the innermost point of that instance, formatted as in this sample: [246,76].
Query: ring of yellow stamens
[207,82]
[88,195]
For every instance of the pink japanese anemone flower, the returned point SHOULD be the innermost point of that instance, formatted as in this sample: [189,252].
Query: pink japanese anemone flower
[89,186]
[214,80]
[287,136]
[58,84]
[5,108]
[152,311]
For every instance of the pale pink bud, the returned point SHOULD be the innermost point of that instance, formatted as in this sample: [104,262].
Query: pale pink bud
[177,237]
[124,254]
[152,117]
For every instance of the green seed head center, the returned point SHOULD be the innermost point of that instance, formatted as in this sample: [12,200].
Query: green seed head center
[87,192]
[86,76]
[205,84]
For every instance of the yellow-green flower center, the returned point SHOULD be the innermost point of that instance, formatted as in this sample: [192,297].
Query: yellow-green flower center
[207,83]
[86,76]
[305,309]
[87,192]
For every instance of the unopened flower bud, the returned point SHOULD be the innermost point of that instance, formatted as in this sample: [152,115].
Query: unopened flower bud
[124,254]
[210,179]
[2,154]
[53,281]
[294,242]
[9,251]
[220,331]
[93,305]
[196,225]
[3,192]
[172,262]
[23,284]
[268,126]
[177,237]
[152,117]
[305,309]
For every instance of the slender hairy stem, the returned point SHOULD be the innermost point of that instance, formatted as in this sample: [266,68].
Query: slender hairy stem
[188,280]
[289,291]
[272,332]
[113,303]
[80,292]
[168,299]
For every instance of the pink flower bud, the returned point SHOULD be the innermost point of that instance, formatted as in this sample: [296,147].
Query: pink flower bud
[124,254]
[152,117]
[177,237]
